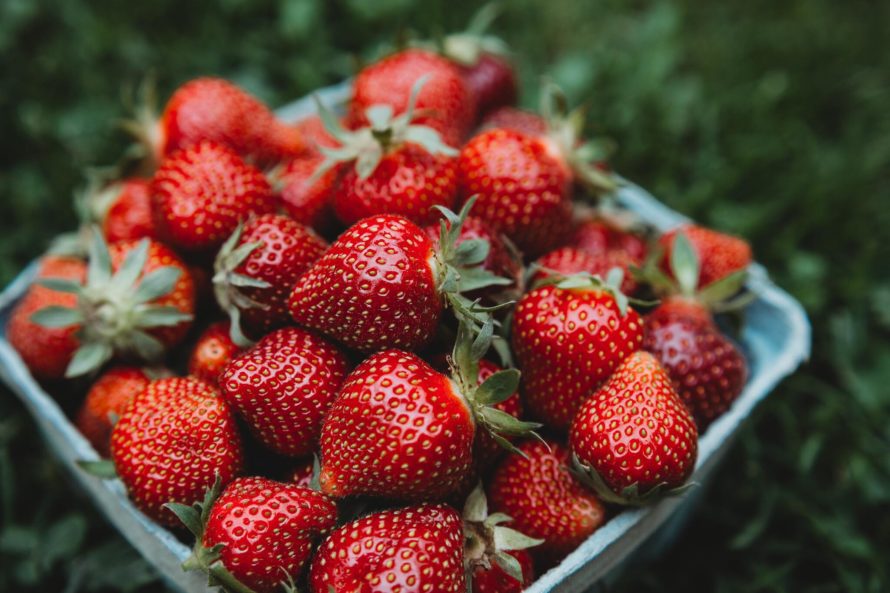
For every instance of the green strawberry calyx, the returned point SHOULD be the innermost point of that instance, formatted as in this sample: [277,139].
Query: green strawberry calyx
[584,281]
[468,46]
[628,496]
[114,310]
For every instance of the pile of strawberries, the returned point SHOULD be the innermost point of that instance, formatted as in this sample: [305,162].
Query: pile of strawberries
[310,344]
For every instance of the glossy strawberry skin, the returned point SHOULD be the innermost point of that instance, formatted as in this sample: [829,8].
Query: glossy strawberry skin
[217,110]
[398,429]
[545,500]
[267,530]
[444,96]
[523,188]
[107,398]
[517,120]
[373,289]
[46,351]
[566,261]
[129,215]
[635,430]
[171,442]
[596,236]
[283,388]
[201,193]
[567,342]
[495,580]
[410,550]
[301,473]
[719,254]
[491,82]
[309,204]
[408,181]
[705,367]
[212,352]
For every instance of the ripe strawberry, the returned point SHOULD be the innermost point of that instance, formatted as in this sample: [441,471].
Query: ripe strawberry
[566,261]
[537,489]
[496,580]
[173,440]
[256,270]
[596,236]
[258,535]
[633,438]
[523,190]
[138,301]
[201,193]
[315,135]
[410,550]
[445,99]
[104,403]
[568,338]
[302,473]
[283,388]
[305,198]
[46,351]
[516,120]
[212,352]
[122,209]
[705,367]
[382,284]
[719,255]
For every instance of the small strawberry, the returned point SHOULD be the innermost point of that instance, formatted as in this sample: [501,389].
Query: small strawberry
[568,338]
[283,388]
[171,442]
[122,209]
[633,439]
[212,352]
[46,351]
[257,535]
[497,580]
[537,489]
[306,198]
[719,255]
[445,98]
[517,120]
[566,261]
[598,235]
[256,270]
[315,134]
[201,193]
[303,473]
[410,550]
[104,403]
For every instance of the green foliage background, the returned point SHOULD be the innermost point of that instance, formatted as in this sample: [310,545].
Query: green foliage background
[768,119]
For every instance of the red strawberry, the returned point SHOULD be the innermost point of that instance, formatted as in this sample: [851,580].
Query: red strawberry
[46,351]
[123,210]
[523,189]
[283,388]
[105,402]
[201,193]
[302,473]
[409,550]
[445,98]
[516,120]
[537,489]
[705,367]
[719,255]
[212,352]
[305,199]
[566,261]
[314,134]
[496,580]
[568,338]
[258,535]
[596,236]
[633,438]
[256,270]
[172,441]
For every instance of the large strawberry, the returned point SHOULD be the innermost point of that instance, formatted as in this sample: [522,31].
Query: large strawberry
[174,439]
[105,401]
[417,549]
[138,300]
[256,270]
[46,350]
[283,388]
[568,338]
[720,256]
[445,99]
[633,439]
[201,193]
[257,535]
[212,352]
[382,284]
[566,261]
[537,489]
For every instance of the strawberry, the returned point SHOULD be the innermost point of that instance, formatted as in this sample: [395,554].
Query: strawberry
[410,550]
[597,235]
[256,270]
[719,255]
[566,261]
[305,198]
[172,441]
[445,99]
[257,535]
[302,473]
[284,386]
[315,135]
[104,403]
[382,284]
[138,301]
[633,439]
[537,489]
[705,367]
[201,193]
[568,338]
[212,352]
[497,580]
[517,120]
[46,351]
[400,167]
[486,450]
[122,209]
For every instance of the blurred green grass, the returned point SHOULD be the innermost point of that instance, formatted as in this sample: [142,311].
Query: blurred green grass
[768,119]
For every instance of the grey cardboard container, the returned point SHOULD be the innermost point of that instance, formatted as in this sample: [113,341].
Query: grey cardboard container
[776,339]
